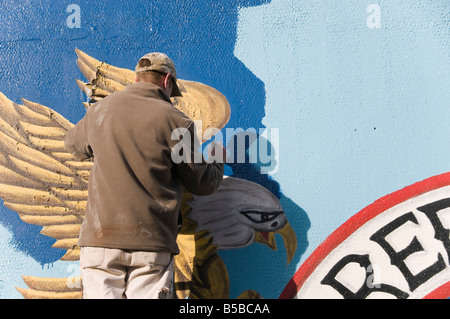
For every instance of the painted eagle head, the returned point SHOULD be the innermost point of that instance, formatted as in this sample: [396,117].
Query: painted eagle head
[240,213]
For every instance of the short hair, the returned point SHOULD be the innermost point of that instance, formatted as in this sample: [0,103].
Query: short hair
[150,76]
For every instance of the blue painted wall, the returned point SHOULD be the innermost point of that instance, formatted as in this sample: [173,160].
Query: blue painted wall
[362,111]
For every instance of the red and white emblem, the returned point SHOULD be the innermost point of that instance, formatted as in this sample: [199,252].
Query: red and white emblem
[398,247]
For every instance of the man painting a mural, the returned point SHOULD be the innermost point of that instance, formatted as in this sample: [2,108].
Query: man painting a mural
[49,188]
[335,116]
[129,234]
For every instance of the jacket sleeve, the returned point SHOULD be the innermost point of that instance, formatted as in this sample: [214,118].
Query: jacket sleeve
[76,140]
[198,177]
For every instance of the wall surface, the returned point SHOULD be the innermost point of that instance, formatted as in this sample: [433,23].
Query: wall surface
[355,95]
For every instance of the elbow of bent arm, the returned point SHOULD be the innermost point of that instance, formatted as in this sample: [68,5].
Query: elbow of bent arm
[82,154]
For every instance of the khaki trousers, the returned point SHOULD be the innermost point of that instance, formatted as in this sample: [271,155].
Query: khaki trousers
[122,274]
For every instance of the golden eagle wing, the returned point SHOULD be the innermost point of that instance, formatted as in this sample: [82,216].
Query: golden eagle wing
[199,102]
[39,180]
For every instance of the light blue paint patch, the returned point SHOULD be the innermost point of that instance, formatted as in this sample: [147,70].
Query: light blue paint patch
[362,112]
[14,264]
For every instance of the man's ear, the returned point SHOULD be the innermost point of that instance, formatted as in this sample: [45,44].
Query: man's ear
[167,80]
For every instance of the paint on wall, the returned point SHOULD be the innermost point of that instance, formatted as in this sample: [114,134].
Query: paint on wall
[358,92]
[398,247]
[47,186]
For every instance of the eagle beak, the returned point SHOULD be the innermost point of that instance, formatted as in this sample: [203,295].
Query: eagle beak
[289,239]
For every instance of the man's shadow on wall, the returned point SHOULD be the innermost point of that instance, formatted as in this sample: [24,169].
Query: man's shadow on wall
[256,170]
[206,54]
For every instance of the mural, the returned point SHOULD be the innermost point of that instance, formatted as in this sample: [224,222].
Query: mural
[47,186]
[355,103]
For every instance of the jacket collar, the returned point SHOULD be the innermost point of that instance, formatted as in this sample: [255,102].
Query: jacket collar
[147,89]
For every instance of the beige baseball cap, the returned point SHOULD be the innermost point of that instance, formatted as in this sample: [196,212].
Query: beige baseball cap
[161,63]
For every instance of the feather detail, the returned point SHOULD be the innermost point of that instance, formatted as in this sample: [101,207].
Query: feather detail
[43,183]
